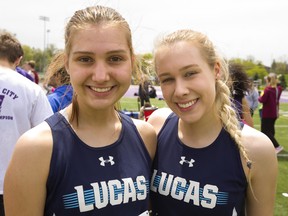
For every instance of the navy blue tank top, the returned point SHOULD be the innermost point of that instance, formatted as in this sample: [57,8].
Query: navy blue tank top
[111,180]
[198,182]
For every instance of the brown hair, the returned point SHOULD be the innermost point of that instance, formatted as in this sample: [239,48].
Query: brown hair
[56,69]
[10,47]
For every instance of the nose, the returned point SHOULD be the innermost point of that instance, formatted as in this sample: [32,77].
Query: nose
[180,89]
[100,72]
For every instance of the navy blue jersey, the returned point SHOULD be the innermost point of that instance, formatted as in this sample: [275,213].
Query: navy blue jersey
[111,180]
[198,182]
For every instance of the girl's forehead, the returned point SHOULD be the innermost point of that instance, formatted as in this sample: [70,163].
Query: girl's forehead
[99,37]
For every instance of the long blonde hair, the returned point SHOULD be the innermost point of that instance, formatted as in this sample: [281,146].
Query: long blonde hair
[223,106]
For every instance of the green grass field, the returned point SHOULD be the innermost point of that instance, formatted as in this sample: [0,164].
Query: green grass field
[281,205]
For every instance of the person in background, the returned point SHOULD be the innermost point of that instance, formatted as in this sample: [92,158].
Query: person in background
[239,86]
[23,104]
[30,67]
[91,159]
[57,76]
[143,90]
[270,109]
[252,97]
[24,73]
[207,162]
[152,92]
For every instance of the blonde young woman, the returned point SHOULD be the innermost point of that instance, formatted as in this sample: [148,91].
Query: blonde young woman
[270,110]
[88,159]
[207,162]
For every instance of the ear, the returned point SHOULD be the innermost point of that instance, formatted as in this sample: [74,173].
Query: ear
[217,70]
[17,62]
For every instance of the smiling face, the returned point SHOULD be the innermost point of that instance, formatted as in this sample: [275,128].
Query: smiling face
[100,65]
[187,81]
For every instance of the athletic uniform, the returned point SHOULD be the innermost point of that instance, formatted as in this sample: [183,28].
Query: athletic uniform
[198,182]
[111,180]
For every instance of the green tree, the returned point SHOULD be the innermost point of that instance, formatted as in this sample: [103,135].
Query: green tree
[282,81]
[252,68]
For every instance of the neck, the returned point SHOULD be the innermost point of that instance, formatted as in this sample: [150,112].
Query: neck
[7,64]
[199,135]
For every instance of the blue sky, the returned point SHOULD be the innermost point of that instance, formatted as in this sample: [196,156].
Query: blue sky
[239,28]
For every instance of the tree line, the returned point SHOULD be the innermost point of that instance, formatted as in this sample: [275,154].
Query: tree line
[254,69]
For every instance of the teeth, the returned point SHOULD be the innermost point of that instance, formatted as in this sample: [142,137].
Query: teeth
[100,89]
[187,104]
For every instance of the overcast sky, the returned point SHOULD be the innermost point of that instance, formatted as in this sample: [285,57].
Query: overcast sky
[239,28]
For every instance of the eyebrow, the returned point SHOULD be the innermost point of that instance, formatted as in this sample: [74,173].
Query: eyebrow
[181,69]
[109,52]
[189,66]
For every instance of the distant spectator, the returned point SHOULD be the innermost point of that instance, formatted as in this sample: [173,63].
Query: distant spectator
[152,92]
[30,67]
[252,97]
[270,111]
[239,86]
[143,91]
[24,73]
[57,77]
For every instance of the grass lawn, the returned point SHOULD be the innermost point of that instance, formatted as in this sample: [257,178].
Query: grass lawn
[281,205]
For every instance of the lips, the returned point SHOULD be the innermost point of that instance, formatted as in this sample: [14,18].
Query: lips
[187,104]
[101,90]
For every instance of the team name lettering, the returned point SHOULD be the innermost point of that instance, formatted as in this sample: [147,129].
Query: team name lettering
[113,192]
[6,117]
[9,93]
[181,189]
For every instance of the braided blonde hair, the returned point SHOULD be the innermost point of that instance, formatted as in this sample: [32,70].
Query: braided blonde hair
[223,106]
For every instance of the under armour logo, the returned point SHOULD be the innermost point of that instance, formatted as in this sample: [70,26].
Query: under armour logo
[110,160]
[183,160]
[234,213]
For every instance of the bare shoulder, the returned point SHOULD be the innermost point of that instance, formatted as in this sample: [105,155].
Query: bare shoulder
[35,145]
[254,140]
[148,135]
[158,117]
[259,146]
[38,137]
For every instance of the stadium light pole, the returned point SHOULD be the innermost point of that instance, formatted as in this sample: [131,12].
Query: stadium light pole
[47,44]
[44,19]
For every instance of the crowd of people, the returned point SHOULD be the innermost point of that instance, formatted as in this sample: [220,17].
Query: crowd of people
[199,156]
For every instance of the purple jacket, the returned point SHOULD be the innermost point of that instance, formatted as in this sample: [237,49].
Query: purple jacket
[270,101]
[24,73]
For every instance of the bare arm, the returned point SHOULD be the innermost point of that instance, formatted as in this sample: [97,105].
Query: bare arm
[158,117]
[25,180]
[148,135]
[263,173]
